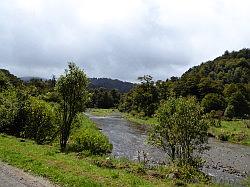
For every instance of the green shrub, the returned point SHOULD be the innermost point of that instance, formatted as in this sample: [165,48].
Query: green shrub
[50,97]
[247,123]
[223,136]
[4,81]
[87,137]
[8,109]
[182,128]
[92,140]
[213,101]
[189,174]
[229,112]
[215,122]
[41,122]
[83,122]
[239,136]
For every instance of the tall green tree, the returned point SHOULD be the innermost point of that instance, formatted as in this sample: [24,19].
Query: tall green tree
[72,88]
[181,129]
[4,81]
[145,96]
[213,101]
[238,100]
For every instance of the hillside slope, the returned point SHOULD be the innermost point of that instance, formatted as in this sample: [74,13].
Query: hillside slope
[110,84]
[213,76]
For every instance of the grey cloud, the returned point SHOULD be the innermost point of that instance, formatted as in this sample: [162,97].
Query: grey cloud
[159,38]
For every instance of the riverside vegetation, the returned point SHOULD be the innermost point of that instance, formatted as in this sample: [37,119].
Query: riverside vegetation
[53,136]
[55,140]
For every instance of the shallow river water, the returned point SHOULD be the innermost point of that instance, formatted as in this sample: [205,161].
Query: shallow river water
[225,162]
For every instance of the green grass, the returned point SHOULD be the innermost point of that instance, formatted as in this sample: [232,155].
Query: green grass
[246,182]
[72,169]
[67,169]
[102,112]
[233,131]
[140,120]
[76,170]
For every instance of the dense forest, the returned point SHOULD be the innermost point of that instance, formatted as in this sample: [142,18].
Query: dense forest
[44,110]
[106,83]
[186,107]
[221,85]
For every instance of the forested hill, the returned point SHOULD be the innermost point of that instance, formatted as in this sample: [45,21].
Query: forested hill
[213,76]
[111,84]
[106,83]
[229,68]
[220,85]
[5,74]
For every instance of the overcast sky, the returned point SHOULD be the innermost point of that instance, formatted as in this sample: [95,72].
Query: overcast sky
[120,39]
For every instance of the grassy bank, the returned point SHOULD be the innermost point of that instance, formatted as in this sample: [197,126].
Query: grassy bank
[233,131]
[66,169]
[77,169]
[140,120]
[128,116]
[73,169]
[84,169]
[101,112]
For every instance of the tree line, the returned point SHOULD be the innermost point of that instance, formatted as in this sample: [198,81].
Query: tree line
[46,110]
[221,86]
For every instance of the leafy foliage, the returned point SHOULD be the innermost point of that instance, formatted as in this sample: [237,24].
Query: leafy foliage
[8,109]
[239,105]
[103,98]
[72,88]
[41,121]
[87,137]
[91,140]
[181,129]
[144,98]
[4,81]
[12,79]
[213,101]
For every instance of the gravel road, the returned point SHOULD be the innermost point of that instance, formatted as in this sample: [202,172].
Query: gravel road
[13,177]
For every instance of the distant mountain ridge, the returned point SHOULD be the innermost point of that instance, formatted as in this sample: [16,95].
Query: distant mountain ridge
[110,84]
[28,78]
[107,83]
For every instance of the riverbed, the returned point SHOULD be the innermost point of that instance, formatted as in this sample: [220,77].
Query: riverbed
[225,162]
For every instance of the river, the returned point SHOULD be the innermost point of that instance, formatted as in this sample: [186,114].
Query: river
[225,162]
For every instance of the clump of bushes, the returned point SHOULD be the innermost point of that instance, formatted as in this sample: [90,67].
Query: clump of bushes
[92,140]
[235,137]
[247,123]
[178,174]
[238,137]
[8,109]
[213,101]
[223,136]
[185,173]
[181,129]
[41,121]
[27,117]
[230,111]
[87,137]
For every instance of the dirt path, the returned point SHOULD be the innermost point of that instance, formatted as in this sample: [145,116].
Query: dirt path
[13,177]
